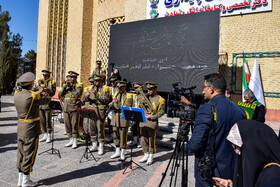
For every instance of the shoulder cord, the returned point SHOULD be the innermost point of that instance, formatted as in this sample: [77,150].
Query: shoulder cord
[33,97]
[213,137]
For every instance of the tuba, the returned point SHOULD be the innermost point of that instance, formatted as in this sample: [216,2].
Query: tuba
[146,104]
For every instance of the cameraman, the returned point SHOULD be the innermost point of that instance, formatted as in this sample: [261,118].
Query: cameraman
[203,143]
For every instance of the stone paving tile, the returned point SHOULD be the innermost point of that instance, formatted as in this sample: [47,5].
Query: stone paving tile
[50,170]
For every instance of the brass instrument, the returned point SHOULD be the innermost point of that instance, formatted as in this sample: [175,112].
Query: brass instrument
[146,105]
[66,82]
[41,81]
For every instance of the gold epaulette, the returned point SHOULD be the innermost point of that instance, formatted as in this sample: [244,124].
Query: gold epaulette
[161,100]
[79,85]
[35,95]
[86,89]
[16,92]
[106,89]
[129,95]
[52,82]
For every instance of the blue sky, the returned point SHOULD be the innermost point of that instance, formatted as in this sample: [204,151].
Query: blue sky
[24,14]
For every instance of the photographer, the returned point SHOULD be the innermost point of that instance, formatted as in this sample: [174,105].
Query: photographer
[208,141]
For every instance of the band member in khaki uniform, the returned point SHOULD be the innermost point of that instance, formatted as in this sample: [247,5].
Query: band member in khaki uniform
[120,126]
[97,97]
[148,130]
[72,93]
[87,122]
[98,70]
[27,105]
[113,90]
[135,128]
[45,111]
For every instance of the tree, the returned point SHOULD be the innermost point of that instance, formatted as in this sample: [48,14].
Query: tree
[31,56]
[10,53]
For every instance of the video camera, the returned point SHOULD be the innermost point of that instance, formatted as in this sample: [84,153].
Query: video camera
[182,110]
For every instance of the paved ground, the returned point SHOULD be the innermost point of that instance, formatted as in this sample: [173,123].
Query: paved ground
[50,170]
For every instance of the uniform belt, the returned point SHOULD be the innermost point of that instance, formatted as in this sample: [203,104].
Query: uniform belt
[29,120]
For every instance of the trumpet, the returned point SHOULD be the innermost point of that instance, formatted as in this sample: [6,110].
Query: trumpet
[146,105]
[66,82]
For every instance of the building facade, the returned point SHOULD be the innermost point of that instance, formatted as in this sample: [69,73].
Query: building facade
[73,34]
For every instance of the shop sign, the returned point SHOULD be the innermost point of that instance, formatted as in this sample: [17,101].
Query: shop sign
[166,8]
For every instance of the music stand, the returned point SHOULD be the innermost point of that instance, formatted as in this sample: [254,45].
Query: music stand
[87,113]
[56,108]
[133,114]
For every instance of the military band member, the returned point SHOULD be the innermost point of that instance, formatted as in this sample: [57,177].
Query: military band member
[120,126]
[113,90]
[86,104]
[72,92]
[27,105]
[148,130]
[98,70]
[97,98]
[45,111]
[135,129]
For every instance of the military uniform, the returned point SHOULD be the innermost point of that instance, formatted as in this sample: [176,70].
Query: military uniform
[98,71]
[120,126]
[135,128]
[27,105]
[87,122]
[98,102]
[72,95]
[113,90]
[45,111]
[148,130]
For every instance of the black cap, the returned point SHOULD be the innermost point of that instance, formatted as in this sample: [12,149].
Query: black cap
[121,83]
[151,84]
[91,79]
[73,74]
[46,72]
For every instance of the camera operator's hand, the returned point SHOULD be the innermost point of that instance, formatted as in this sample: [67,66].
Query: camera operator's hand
[223,182]
[185,100]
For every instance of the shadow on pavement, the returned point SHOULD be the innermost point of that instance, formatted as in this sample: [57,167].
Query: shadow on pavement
[2,150]
[9,119]
[6,139]
[3,104]
[81,173]
[8,125]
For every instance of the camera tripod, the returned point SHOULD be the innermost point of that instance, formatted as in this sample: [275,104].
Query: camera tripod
[178,155]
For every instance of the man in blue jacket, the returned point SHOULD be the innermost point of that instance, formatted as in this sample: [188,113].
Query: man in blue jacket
[228,114]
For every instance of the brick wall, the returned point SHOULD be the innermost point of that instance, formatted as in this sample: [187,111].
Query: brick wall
[257,32]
